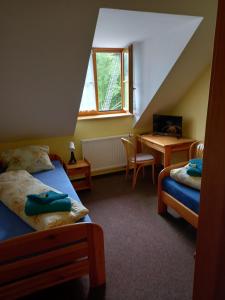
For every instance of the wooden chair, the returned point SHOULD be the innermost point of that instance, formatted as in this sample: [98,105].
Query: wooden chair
[135,160]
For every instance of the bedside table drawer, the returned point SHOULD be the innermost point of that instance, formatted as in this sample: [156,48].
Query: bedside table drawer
[79,174]
[78,171]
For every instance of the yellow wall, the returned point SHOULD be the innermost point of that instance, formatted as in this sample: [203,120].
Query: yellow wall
[94,128]
[58,145]
[84,129]
[193,107]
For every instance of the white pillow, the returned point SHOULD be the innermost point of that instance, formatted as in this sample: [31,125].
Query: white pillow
[14,188]
[181,176]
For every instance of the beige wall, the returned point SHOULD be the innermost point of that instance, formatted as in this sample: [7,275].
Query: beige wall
[84,129]
[46,46]
[95,128]
[58,145]
[193,107]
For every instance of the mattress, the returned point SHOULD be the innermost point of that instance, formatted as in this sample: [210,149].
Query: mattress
[188,196]
[11,225]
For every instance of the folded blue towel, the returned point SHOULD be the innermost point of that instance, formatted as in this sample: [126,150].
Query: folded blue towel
[46,197]
[195,167]
[33,208]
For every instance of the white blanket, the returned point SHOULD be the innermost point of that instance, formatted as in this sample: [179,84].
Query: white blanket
[180,175]
[14,188]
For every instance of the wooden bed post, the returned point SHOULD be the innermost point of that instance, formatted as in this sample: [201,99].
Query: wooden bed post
[162,208]
[96,256]
[45,258]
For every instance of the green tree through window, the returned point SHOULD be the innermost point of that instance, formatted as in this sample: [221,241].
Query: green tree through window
[108,67]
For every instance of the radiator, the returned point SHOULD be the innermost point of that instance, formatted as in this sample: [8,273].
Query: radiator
[104,153]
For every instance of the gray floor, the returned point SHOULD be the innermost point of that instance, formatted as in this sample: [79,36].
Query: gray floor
[147,256]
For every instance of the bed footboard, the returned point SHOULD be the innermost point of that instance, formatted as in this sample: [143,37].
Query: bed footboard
[190,216]
[164,199]
[162,206]
[42,259]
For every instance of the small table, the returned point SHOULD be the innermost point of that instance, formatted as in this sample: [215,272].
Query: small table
[80,174]
[166,145]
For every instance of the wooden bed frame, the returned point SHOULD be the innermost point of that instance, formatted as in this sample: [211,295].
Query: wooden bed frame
[164,199]
[45,258]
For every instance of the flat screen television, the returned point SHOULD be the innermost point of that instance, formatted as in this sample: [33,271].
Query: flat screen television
[167,125]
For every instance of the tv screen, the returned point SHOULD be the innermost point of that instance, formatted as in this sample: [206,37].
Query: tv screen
[167,125]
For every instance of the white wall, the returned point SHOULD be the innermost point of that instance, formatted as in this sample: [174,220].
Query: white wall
[155,57]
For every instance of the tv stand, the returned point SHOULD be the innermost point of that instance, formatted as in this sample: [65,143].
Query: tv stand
[166,145]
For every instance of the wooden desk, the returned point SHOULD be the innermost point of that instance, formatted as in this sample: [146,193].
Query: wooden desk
[166,145]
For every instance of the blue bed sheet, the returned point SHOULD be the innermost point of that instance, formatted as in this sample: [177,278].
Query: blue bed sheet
[188,196]
[11,225]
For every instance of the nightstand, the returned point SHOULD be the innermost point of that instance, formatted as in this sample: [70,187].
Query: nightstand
[80,174]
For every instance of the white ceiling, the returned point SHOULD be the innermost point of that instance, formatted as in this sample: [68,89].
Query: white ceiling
[158,40]
[119,28]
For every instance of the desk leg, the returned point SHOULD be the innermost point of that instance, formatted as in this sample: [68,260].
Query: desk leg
[167,157]
[158,157]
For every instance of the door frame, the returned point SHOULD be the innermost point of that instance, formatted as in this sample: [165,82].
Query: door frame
[209,278]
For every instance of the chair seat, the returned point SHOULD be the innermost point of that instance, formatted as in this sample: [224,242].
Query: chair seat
[136,161]
[142,157]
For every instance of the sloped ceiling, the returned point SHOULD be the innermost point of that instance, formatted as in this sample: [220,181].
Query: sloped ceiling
[44,53]
[154,58]
[118,28]
[43,60]
[189,66]
[158,40]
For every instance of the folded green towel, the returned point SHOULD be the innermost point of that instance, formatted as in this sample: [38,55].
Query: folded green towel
[194,172]
[195,167]
[46,197]
[33,208]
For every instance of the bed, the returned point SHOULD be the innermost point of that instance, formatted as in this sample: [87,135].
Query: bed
[33,260]
[183,199]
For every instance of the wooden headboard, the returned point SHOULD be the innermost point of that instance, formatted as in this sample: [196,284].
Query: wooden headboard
[55,157]
[51,156]
[196,150]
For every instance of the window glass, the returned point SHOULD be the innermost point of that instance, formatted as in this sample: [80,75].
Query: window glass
[108,67]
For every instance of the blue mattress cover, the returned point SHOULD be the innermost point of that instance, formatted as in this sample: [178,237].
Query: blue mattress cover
[11,225]
[188,196]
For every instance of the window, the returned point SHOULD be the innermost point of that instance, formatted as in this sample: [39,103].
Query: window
[107,85]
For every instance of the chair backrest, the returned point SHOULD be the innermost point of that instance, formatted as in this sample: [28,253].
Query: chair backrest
[196,150]
[130,148]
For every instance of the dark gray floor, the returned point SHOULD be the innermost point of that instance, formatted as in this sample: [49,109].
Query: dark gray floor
[147,256]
